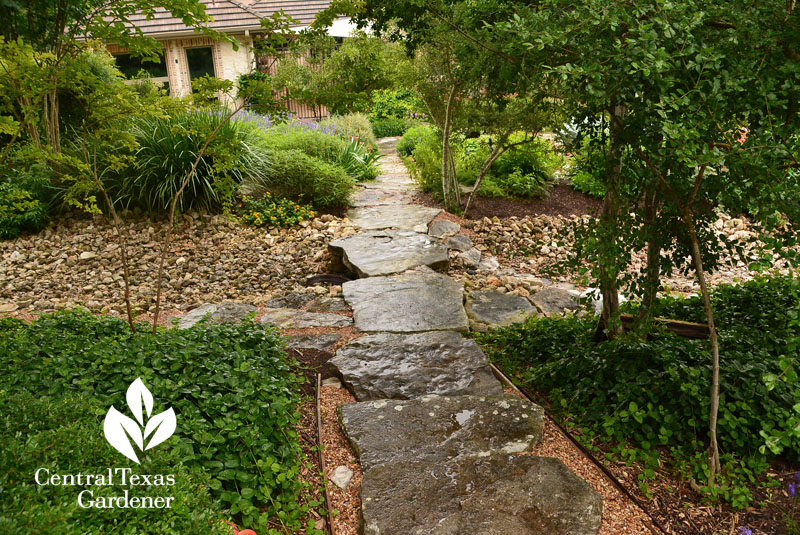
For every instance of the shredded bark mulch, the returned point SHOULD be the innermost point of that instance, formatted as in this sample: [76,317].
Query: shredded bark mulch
[562,200]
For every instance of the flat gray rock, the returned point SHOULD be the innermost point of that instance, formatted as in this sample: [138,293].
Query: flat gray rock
[328,304]
[385,252]
[439,428]
[323,341]
[404,217]
[405,366]
[552,300]
[470,258]
[374,197]
[494,495]
[408,303]
[289,318]
[225,312]
[493,309]
[459,242]
[443,228]
[291,301]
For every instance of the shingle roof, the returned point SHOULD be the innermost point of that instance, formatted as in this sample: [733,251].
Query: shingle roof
[228,15]
[303,12]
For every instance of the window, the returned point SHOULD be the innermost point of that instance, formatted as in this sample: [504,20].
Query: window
[133,67]
[200,61]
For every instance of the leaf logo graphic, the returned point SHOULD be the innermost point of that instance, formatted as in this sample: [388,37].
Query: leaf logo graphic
[120,430]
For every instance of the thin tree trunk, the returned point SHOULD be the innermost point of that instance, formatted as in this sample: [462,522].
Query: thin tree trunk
[446,177]
[713,453]
[497,151]
[609,217]
[653,275]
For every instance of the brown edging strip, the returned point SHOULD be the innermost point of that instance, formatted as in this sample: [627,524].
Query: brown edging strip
[322,460]
[653,525]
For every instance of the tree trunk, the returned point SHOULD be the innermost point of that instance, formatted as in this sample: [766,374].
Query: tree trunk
[653,275]
[608,272]
[446,157]
[713,448]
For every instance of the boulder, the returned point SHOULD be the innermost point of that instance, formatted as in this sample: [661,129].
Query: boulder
[408,303]
[405,366]
[552,300]
[387,252]
[437,428]
[492,309]
[443,228]
[494,495]
[459,242]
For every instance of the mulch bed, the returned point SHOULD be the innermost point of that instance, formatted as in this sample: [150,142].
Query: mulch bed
[562,200]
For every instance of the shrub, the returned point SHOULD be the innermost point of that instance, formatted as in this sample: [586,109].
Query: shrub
[64,435]
[654,393]
[524,185]
[269,211]
[352,125]
[395,104]
[168,147]
[535,158]
[20,211]
[392,127]
[231,386]
[359,160]
[413,136]
[303,178]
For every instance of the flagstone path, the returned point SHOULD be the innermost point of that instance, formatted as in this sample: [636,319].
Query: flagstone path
[438,441]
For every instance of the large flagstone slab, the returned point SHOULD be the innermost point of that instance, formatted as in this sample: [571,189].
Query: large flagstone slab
[494,495]
[408,303]
[405,366]
[438,428]
[385,252]
[404,217]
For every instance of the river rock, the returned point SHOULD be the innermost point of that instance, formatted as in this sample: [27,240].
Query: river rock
[289,318]
[438,428]
[494,495]
[404,217]
[225,312]
[408,303]
[387,252]
[443,228]
[553,300]
[400,366]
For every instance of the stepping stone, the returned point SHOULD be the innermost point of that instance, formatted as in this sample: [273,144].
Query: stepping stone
[494,495]
[382,196]
[459,242]
[552,300]
[323,342]
[492,309]
[225,312]
[437,428]
[443,228]
[291,301]
[400,366]
[328,304]
[387,252]
[408,303]
[404,217]
[289,318]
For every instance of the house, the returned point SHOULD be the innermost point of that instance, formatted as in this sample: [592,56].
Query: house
[188,55]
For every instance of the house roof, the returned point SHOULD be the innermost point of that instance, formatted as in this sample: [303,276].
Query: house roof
[228,16]
[303,12]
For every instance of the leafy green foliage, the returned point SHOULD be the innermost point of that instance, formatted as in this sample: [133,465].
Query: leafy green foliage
[352,125]
[653,394]
[413,136]
[396,104]
[231,386]
[303,178]
[20,211]
[269,211]
[169,146]
[391,127]
[63,434]
[359,160]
